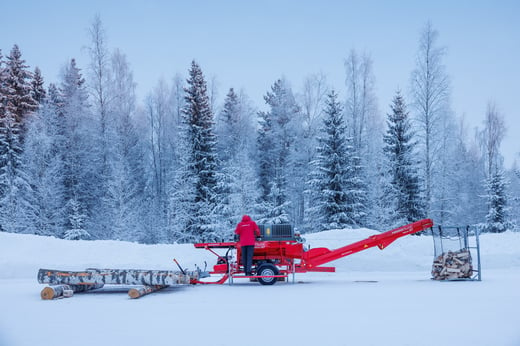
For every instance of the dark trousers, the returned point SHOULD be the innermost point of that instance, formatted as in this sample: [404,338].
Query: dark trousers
[247,258]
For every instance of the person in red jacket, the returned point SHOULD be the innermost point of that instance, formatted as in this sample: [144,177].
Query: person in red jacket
[247,230]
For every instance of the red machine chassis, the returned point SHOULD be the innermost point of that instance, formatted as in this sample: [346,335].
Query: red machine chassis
[290,256]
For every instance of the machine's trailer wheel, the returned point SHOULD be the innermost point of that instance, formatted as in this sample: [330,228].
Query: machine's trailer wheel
[267,269]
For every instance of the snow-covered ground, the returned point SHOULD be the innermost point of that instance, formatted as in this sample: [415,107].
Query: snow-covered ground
[375,298]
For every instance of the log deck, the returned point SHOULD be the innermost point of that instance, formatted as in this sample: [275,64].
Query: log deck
[64,283]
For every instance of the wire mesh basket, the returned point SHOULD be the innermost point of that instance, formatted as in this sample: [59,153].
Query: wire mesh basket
[455,249]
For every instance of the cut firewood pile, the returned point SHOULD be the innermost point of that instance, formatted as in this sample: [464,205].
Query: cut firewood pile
[452,265]
[63,284]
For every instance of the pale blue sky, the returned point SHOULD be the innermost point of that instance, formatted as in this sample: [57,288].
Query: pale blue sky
[249,44]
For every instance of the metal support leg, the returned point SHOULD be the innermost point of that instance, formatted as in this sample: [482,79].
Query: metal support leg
[230,280]
[478,254]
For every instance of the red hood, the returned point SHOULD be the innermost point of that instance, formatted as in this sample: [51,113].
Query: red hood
[246,218]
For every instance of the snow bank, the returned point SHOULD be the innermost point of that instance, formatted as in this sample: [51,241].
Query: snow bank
[22,255]
[414,252]
[375,298]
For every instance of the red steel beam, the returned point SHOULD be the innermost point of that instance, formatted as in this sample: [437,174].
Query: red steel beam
[319,256]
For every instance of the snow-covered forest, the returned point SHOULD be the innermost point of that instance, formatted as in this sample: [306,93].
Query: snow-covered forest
[83,158]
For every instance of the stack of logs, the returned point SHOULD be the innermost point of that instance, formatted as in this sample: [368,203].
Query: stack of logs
[452,265]
[63,284]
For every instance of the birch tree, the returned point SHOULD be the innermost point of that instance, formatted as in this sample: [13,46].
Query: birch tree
[430,88]
[364,125]
[361,106]
[496,185]
[491,138]
[99,76]
[312,100]
[465,206]
[159,113]
[124,196]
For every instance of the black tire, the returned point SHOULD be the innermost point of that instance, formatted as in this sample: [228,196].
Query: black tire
[267,269]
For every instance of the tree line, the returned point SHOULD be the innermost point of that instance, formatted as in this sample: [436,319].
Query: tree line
[82,159]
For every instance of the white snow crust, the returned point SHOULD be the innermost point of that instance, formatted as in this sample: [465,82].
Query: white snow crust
[375,298]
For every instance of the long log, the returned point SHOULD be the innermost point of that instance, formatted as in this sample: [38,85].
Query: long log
[135,293]
[84,288]
[57,291]
[117,277]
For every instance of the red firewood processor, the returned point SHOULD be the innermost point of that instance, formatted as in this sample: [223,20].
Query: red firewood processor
[281,253]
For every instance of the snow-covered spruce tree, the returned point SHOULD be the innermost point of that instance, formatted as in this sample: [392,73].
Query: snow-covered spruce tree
[38,92]
[181,208]
[242,185]
[42,162]
[357,191]
[18,88]
[228,132]
[78,148]
[200,162]
[3,135]
[265,165]
[514,190]
[3,140]
[496,219]
[76,230]
[16,106]
[331,181]
[275,144]
[227,128]
[237,189]
[403,192]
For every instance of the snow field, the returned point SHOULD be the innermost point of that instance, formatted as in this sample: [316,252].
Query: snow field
[375,298]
